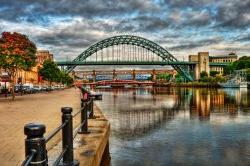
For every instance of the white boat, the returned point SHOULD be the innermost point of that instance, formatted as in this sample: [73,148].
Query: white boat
[234,83]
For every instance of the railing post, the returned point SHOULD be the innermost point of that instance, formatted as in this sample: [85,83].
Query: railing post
[86,98]
[84,118]
[91,108]
[35,143]
[67,138]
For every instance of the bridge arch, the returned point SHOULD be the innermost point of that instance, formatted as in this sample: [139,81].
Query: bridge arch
[136,41]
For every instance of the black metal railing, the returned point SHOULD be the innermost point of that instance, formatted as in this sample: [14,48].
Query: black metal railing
[35,142]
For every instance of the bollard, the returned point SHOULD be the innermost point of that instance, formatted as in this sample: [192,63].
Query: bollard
[86,98]
[84,118]
[35,143]
[91,108]
[67,138]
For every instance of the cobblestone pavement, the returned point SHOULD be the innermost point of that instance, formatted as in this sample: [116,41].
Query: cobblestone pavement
[44,108]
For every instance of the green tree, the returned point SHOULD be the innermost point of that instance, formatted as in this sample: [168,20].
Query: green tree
[166,77]
[213,73]
[204,77]
[219,79]
[65,78]
[248,74]
[50,72]
[241,63]
[17,52]
[178,78]
[229,69]
[203,74]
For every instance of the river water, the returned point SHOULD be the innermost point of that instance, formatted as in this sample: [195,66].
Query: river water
[178,126]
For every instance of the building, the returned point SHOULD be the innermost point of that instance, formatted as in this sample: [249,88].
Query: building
[203,59]
[43,55]
[231,57]
[32,76]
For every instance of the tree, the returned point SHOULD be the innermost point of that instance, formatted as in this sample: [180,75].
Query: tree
[241,63]
[17,52]
[50,72]
[178,78]
[166,77]
[248,74]
[228,69]
[203,74]
[204,77]
[64,78]
[213,73]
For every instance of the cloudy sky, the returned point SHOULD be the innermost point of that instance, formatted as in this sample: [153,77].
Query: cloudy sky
[68,27]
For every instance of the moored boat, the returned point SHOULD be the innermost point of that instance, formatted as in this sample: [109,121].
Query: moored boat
[234,83]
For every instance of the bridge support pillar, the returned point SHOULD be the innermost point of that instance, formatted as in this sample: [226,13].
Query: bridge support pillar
[153,75]
[94,76]
[114,75]
[194,70]
[133,75]
[203,63]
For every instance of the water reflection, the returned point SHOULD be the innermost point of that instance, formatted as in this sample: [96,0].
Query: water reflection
[178,126]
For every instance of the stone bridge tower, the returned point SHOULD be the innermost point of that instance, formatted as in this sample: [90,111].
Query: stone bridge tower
[202,60]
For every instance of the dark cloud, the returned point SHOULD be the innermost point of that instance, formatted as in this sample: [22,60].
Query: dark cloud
[230,14]
[197,19]
[39,9]
[152,23]
[69,38]
[196,44]
[233,14]
[142,23]
[243,38]
[187,3]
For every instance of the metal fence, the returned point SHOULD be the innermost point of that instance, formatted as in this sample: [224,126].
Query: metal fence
[35,142]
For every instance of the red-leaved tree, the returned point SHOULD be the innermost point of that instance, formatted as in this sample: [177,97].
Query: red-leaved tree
[17,52]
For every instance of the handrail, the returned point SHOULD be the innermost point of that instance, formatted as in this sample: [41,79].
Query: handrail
[54,132]
[29,158]
[78,129]
[76,113]
[59,158]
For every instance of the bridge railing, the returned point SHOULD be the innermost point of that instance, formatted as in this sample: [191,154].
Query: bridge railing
[35,142]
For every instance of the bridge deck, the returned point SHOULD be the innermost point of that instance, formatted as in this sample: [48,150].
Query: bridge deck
[161,63]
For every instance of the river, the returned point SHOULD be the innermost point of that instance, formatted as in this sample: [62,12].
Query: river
[178,126]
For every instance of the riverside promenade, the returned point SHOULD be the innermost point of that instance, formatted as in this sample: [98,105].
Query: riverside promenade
[43,107]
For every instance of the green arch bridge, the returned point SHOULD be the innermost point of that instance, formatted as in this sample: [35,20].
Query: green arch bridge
[129,50]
